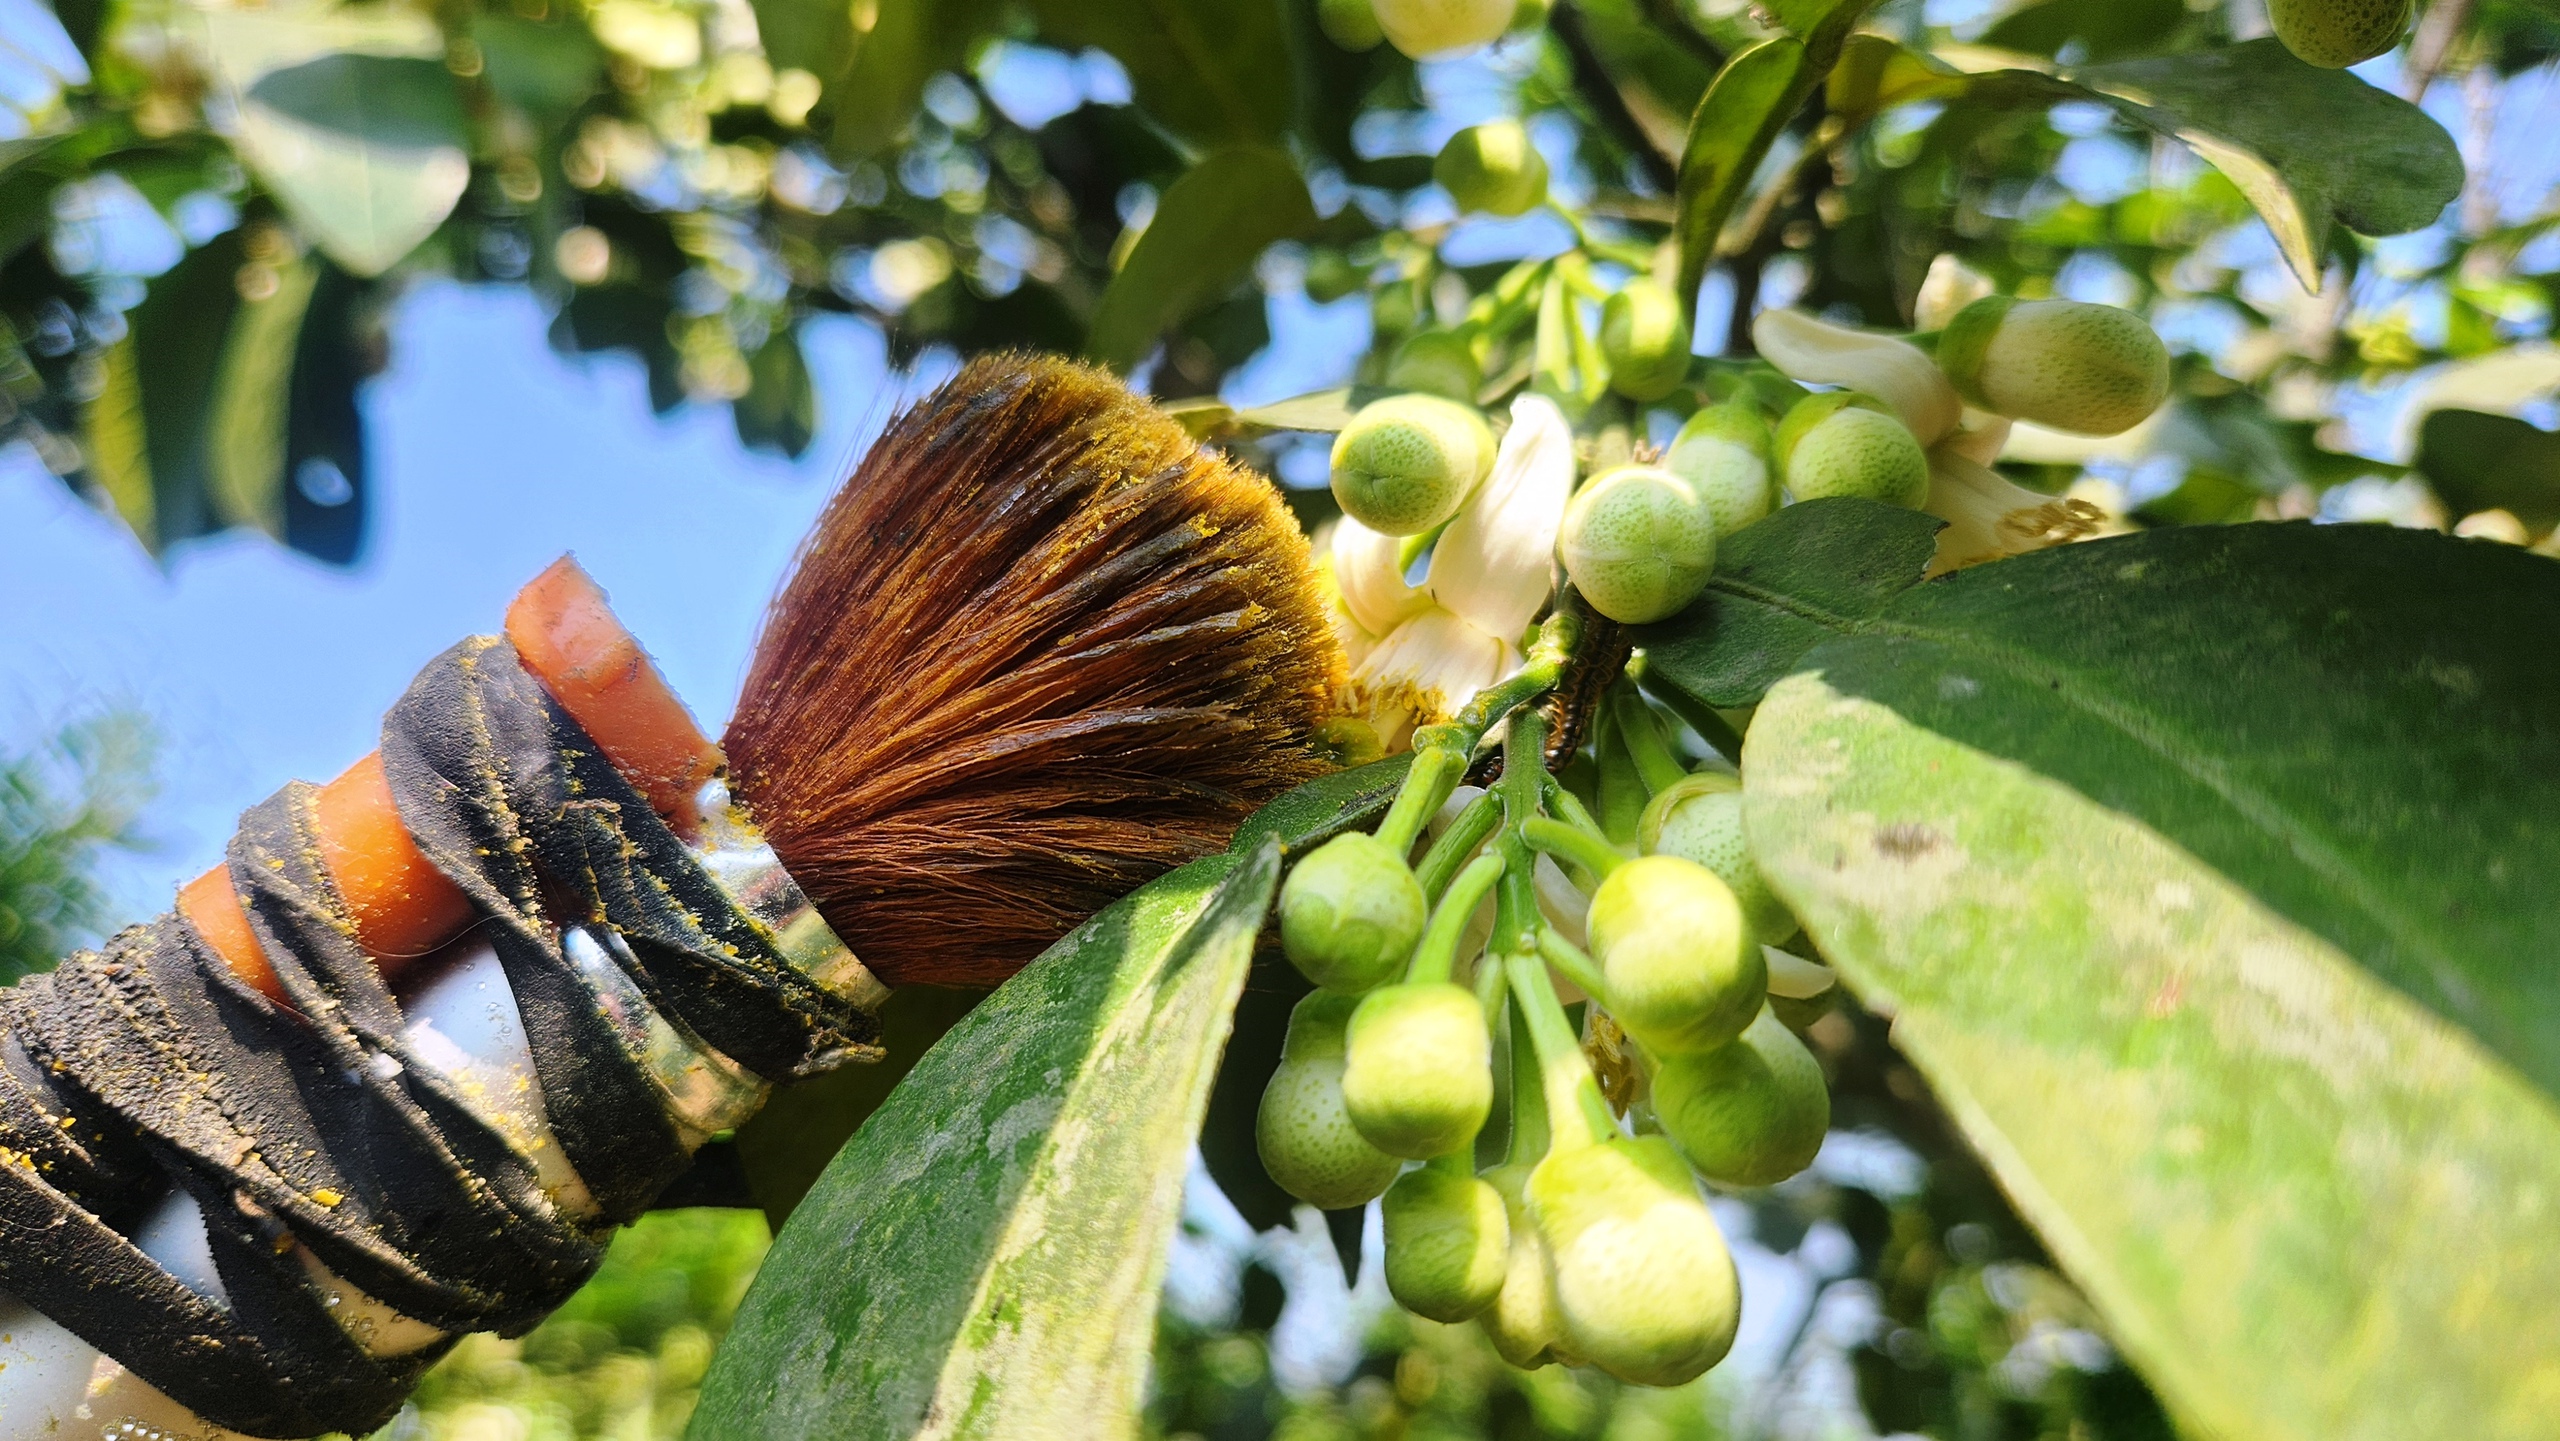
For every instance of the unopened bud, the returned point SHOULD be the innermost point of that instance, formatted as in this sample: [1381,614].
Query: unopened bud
[1887,367]
[1749,1114]
[1522,1322]
[1406,463]
[1425,29]
[1418,1075]
[1493,168]
[2066,364]
[1683,970]
[1723,452]
[1638,543]
[1436,362]
[1699,818]
[1350,913]
[1844,443]
[1643,1281]
[1645,339]
[1306,1138]
[2334,34]
[1448,1244]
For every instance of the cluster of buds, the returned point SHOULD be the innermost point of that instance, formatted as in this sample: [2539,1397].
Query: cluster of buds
[1585,1235]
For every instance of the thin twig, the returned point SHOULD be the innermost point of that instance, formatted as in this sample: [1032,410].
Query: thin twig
[2434,41]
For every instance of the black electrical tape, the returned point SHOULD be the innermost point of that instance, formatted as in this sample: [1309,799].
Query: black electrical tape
[150,1064]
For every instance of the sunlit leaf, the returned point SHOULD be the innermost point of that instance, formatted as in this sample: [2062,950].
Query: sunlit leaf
[1208,227]
[2205,874]
[1211,71]
[248,429]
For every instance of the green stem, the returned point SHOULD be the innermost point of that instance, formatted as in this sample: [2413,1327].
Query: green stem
[1460,1163]
[1528,1090]
[1578,968]
[1437,956]
[1441,862]
[1524,775]
[1711,727]
[1420,795]
[1642,733]
[1572,843]
[1491,985]
[1441,752]
[1575,1111]
[1568,807]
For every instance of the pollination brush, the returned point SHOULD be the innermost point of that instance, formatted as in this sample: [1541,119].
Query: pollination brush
[394,1071]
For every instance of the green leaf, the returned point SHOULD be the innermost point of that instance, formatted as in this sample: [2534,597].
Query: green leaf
[2310,148]
[1208,227]
[2206,875]
[978,1260]
[547,67]
[349,118]
[1211,71]
[2480,462]
[1782,586]
[2103,29]
[247,431]
[780,409]
[908,41]
[1325,807]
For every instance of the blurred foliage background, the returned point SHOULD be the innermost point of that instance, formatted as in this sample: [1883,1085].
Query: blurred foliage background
[209,210]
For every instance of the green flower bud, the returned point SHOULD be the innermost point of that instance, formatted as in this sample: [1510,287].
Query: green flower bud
[1638,543]
[1522,1322]
[1351,24]
[1406,463]
[1427,28]
[1492,168]
[1350,913]
[1418,1077]
[1436,362]
[1684,972]
[2334,34]
[2089,369]
[1645,339]
[1700,819]
[1843,443]
[1643,1282]
[1448,1243]
[1749,1114]
[1723,452]
[1306,1138]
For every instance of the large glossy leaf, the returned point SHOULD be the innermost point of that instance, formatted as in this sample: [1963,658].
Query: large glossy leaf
[2311,148]
[1208,227]
[1211,71]
[983,1259]
[2478,461]
[2206,874]
[350,119]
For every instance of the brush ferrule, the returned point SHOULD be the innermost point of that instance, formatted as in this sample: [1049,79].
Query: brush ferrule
[738,857]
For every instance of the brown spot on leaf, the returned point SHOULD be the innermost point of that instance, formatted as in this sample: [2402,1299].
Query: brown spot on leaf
[1906,841]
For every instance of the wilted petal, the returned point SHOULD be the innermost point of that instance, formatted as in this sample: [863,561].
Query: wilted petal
[1496,562]
[1367,569]
[1988,516]
[1894,371]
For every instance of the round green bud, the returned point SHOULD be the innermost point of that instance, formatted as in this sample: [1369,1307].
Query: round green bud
[1699,818]
[1351,24]
[1645,339]
[1350,913]
[1843,443]
[1493,168]
[1723,452]
[1749,1114]
[1522,1321]
[1436,362]
[2066,364]
[1683,969]
[1406,463]
[1427,28]
[1638,543]
[1306,1138]
[2334,34]
[1643,1282]
[1418,1078]
[1448,1244]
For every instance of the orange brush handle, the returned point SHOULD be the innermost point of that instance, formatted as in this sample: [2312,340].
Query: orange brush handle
[404,908]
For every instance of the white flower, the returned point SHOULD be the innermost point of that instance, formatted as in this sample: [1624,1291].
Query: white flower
[1988,516]
[1491,572]
[1892,370]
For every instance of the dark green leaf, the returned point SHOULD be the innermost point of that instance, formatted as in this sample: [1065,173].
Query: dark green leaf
[1214,72]
[395,101]
[1324,808]
[2205,873]
[546,67]
[2479,462]
[1809,573]
[1208,227]
[908,41]
[2102,29]
[780,409]
[978,1259]
[1753,98]
[805,34]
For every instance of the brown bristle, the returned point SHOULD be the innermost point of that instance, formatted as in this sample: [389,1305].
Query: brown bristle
[1041,648]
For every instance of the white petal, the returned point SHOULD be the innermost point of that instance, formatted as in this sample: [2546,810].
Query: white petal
[1430,666]
[1894,371]
[1366,569]
[1989,516]
[1980,438]
[1495,564]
